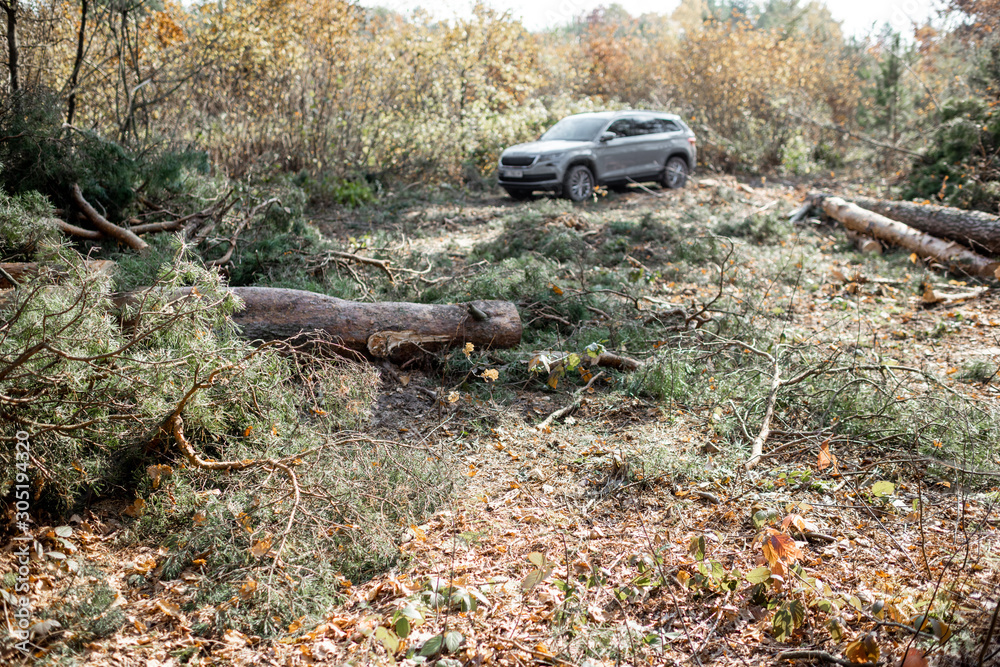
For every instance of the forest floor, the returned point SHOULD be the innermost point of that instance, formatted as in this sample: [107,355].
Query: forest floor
[630,531]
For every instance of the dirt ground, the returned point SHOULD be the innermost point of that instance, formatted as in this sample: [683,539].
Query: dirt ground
[626,532]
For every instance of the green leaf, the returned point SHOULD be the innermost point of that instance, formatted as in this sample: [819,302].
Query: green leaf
[836,629]
[781,625]
[402,627]
[759,575]
[798,612]
[432,646]
[697,547]
[572,361]
[880,489]
[823,605]
[762,518]
[453,640]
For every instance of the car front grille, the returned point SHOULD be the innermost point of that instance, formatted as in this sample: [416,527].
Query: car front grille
[517,160]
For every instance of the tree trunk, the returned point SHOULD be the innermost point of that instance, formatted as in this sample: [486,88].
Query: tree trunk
[13,52]
[976,229]
[393,330]
[957,257]
[77,64]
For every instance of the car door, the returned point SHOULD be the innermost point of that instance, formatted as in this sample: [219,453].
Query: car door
[613,157]
[650,147]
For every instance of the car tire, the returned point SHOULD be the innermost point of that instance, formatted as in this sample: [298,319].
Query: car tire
[518,194]
[578,183]
[675,173]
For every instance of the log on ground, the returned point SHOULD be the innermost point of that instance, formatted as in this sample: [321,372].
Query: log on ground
[976,229]
[393,330]
[957,257]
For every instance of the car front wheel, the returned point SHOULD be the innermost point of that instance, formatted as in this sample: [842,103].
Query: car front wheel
[579,183]
[675,173]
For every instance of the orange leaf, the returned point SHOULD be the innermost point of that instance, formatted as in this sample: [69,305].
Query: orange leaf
[780,547]
[863,650]
[826,459]
[914,658]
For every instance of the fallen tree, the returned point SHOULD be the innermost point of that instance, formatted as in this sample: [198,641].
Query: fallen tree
[956,257]
[388,330]
[975,229]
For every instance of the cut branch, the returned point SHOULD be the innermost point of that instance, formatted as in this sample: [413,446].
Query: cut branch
[106,227]
[73,230]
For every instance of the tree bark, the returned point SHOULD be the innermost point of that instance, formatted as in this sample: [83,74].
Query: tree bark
[392,330]
[955,256]
[107,228]
[976,229]
[13,52]
[77,63]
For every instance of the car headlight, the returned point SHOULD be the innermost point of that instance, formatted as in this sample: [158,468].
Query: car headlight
[551,158]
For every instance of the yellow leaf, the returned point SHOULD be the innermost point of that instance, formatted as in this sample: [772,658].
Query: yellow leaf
[553,381]
[556,289]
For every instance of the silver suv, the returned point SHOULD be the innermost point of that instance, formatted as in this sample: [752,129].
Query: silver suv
[608,148]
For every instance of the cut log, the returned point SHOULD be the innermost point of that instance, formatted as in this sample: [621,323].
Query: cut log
[976,229]
[104,226]
[393,330]
[955,256]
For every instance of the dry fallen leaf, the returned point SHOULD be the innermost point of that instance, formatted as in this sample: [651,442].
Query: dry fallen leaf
[260,548]
[780,547]
[826,459]
[863,650]
[136,508]
[914,658]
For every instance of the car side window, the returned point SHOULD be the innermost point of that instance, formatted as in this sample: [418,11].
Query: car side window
[669,126]
[649,126]
[622,127]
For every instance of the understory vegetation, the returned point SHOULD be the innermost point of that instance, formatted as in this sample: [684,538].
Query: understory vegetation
[217,498]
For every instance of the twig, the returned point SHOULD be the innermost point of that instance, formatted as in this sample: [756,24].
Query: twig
[757,447]
[562,412]
[382,264]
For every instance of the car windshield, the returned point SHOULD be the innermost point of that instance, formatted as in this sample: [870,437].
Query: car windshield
[575,128]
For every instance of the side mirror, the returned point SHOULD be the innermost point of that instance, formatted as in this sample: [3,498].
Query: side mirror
[607,136]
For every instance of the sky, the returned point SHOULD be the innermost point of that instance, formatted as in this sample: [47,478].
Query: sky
[857,16]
